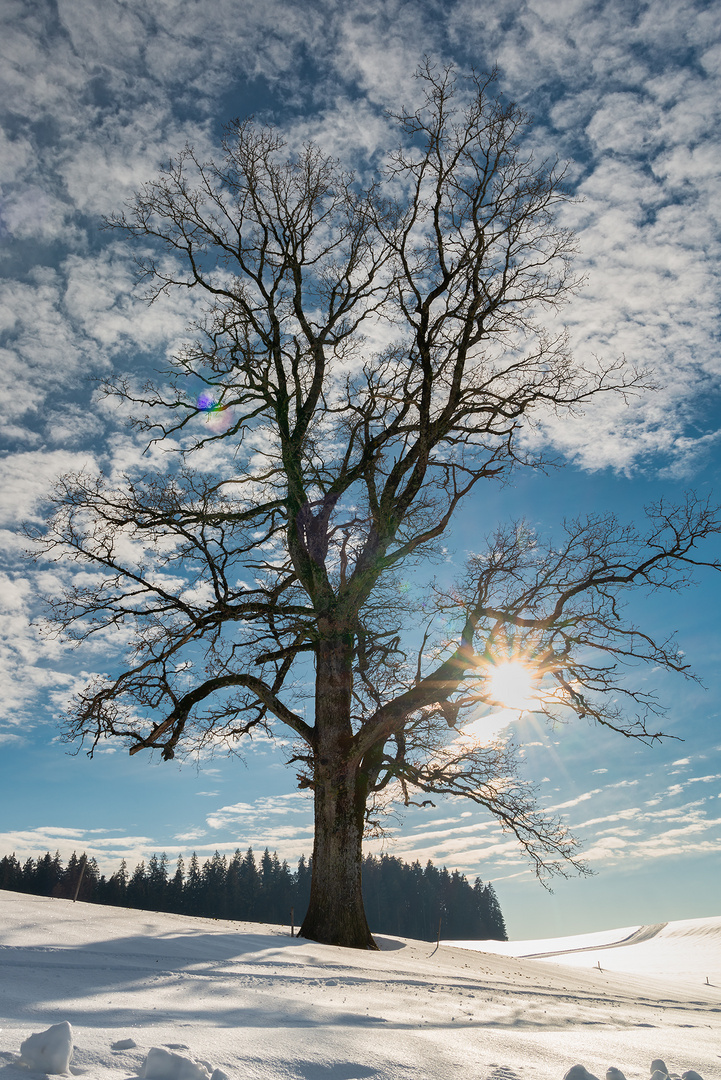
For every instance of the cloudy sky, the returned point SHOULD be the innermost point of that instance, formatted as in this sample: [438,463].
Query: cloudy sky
[96,95]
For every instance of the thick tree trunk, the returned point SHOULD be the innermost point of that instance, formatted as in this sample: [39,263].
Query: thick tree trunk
[336,915]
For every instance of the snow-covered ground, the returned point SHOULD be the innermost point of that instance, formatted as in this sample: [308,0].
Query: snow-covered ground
[251,1001]
[686,952]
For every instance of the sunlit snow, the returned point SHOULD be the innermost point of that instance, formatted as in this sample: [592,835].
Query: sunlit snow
[151,994]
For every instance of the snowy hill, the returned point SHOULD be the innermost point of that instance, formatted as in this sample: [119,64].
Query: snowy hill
[251,1001]
[687,951]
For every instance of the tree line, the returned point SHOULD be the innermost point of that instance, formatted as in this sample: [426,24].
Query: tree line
[400,898]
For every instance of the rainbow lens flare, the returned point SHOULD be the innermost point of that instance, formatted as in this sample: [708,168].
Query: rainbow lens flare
[217,417]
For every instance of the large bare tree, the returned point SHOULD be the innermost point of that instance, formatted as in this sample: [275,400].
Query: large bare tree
[367,358]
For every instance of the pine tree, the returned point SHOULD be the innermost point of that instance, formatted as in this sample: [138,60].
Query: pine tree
[496,921]
[249,888]
[303,877]
[267,886]
[284,890]
[214,877]
[193,891]
[71,877]
[91,879]
[117,887]
[233,885]
[45,875]
[10,873]
[27,876]
[137,893]
[176,886]
[157,882]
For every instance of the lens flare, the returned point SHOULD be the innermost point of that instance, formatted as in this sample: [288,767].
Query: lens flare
[206,401]
[217,417]
[512,684]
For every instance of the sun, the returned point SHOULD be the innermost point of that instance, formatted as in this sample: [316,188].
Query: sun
[512,685]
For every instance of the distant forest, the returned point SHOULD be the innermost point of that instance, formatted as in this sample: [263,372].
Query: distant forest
[400,898]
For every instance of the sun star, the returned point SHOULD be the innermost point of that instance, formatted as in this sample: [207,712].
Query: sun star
[511,684]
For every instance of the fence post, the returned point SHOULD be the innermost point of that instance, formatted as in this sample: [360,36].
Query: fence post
[83,860]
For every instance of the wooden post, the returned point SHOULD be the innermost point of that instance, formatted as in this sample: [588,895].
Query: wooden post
[438,939]
[83,861]
[292,922]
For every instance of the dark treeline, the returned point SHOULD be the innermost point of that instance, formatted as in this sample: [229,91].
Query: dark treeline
[400,898]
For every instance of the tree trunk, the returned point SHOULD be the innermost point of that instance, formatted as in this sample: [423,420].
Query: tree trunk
[336,915]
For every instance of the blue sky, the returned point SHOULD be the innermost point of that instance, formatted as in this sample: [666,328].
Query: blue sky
[95,96]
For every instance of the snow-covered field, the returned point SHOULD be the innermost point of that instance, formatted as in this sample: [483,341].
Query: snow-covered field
[682,953]
[251,1001]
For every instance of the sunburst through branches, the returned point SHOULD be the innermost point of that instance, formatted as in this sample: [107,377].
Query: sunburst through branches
[513,685]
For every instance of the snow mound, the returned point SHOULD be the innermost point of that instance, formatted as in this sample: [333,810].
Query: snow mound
[579,1072]
[162,1064]
[48,1051]
[660,1072]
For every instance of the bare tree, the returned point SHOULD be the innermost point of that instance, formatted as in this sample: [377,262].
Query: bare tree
[367,357]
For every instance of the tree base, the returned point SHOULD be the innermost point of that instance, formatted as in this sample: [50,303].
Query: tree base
[343,941]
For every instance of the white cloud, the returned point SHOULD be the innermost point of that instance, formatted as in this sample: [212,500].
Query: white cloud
[380,46]
[653,289]
[265,810]
[574,802]
[641,124]
[625,122]
[16,156]
[7,738]
[27,478]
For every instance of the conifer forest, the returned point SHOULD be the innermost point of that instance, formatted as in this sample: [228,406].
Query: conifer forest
[400,898]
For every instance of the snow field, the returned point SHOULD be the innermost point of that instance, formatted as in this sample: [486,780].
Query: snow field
[687,951]
[252,1002]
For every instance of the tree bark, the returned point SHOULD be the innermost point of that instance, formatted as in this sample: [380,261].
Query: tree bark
[336,915]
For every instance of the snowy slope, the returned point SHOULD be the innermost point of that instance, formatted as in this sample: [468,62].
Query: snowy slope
[250,1000]
[539,946]
[687,951]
